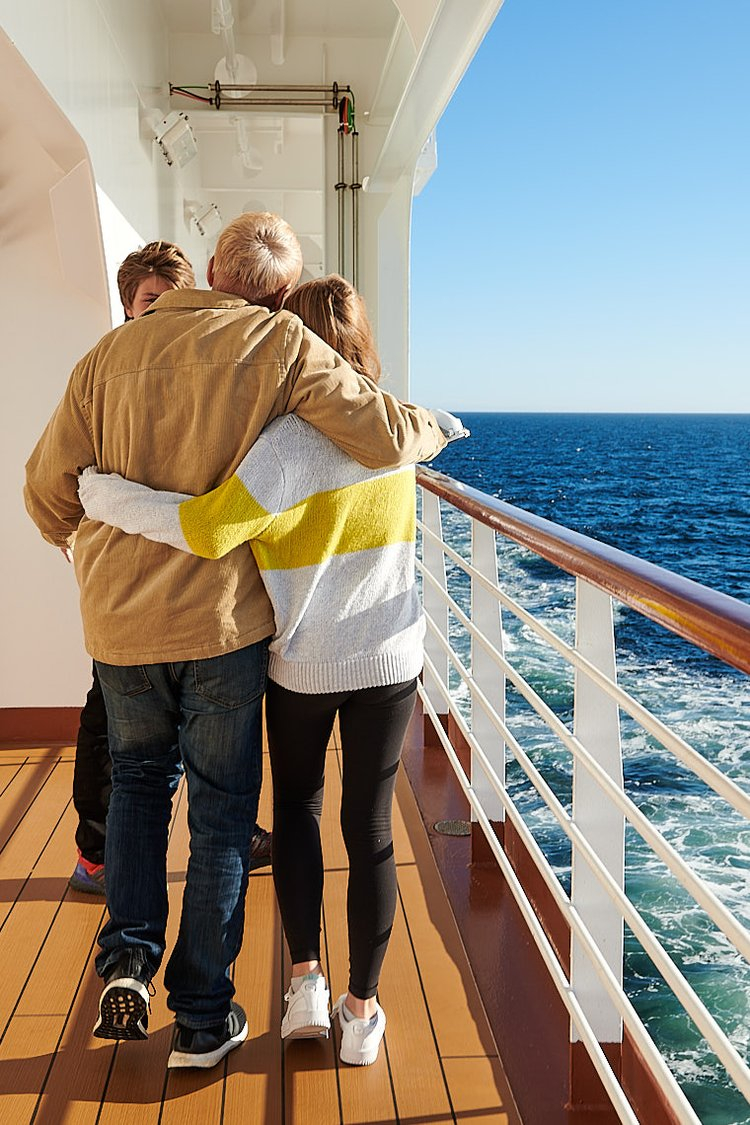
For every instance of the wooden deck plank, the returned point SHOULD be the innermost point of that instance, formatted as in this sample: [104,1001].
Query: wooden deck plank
[63,991]
[50,932]
[438,1063]
[473,1084]
[28,815]
[31,918]
[449,985]
[26,1054]
[39,803]
[20,940]
[7,773]
[50,1001]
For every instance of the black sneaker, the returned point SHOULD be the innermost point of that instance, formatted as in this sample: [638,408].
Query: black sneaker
[260,849]
[205,1046]
[125,1001]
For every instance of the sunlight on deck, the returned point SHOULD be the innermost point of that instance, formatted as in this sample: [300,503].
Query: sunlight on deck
[439,1064]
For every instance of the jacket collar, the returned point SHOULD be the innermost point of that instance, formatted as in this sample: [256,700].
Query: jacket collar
[198,299]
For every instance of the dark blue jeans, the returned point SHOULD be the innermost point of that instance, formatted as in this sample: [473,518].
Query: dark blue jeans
[207,713]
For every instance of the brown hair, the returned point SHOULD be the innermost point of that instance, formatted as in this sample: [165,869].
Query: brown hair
[334,310]
[162,259]
[256,256]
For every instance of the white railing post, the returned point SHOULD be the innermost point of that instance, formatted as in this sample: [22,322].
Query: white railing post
[435,606]
[486,615]
[597,727]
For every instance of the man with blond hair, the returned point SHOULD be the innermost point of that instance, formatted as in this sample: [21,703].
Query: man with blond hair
[180,642]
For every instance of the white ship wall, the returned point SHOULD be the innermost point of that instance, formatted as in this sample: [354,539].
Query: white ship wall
[54,291]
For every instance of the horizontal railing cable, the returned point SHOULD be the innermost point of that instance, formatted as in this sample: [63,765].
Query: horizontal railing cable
[737,934]
[713,777]
[681,988]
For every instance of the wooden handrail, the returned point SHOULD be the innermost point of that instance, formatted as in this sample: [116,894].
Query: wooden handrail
[715,622]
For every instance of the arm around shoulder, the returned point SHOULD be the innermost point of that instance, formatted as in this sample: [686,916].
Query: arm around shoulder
[372,426]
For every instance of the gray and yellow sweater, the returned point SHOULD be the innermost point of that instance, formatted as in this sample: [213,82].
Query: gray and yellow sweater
[334,543]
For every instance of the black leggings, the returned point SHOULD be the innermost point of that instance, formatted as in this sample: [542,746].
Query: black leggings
[373,723]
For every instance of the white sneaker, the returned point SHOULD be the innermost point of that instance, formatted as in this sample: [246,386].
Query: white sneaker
[306,1015]
[360,1039]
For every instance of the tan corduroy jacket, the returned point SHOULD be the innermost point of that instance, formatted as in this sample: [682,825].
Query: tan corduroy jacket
[175,399]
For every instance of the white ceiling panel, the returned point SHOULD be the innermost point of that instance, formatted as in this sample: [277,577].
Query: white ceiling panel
[339,18]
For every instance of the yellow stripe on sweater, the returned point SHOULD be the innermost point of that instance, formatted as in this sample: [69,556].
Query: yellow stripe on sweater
[370,514]
[219,521]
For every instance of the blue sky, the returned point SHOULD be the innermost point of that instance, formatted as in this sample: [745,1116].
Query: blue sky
[585,241]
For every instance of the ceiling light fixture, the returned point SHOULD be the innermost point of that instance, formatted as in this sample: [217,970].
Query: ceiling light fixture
[176,139]
[205,216]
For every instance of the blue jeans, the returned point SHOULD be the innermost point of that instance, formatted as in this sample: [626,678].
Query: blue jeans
[206,713]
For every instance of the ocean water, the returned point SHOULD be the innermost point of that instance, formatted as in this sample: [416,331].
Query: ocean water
[673,489]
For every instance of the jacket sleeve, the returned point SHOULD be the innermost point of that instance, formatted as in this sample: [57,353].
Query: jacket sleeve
[373,427]
[210,525]
[64,449]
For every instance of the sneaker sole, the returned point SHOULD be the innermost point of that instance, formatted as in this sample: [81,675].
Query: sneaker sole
[123,1011]
[361,1060]
[306,1031]
[208,1058]
[254,864]
[90,888]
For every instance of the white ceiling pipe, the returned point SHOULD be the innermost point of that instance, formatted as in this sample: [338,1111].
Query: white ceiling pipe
[278,33]
[233,69]
[222,22]
[250,158]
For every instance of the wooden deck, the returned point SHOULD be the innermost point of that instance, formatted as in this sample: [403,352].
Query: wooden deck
[439,1064]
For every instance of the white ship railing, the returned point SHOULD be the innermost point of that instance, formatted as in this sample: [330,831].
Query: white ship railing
[597,907]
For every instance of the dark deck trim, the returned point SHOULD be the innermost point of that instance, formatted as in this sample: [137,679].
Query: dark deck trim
[32,726]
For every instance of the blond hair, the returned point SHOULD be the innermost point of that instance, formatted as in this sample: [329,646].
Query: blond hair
[160,259]
[256,257]
[335,311]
